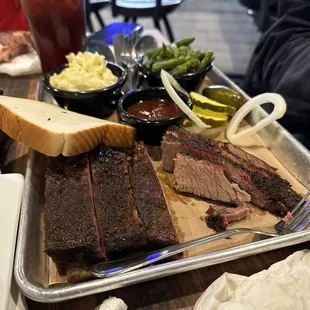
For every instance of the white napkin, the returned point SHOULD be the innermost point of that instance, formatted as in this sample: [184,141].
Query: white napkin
[284,286]
[112,303]
[22,65]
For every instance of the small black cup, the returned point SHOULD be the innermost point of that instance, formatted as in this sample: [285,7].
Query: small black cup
[98,103]
[149,131]
[189,81]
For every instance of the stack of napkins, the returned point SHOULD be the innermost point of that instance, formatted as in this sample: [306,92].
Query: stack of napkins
[284,286]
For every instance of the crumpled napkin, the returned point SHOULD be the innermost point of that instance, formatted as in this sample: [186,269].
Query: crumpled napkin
[112,303]
[25,64]
[284,286]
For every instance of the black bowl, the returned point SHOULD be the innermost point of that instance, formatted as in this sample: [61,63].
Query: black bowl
[151,132]
[98,103]
[190,81]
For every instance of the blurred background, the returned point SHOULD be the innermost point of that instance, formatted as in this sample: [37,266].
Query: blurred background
[231,28]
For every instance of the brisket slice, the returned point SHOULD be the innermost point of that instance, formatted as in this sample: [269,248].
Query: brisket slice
[235,173]
[150,201]
[271,193]
[206,179]
[71,233]
[119,224]
[218,217]
[220,148]
[277,188]
[258,163]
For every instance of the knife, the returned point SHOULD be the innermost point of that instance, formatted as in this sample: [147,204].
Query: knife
[119,45]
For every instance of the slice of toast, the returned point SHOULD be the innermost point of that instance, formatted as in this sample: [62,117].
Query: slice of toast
[52,130]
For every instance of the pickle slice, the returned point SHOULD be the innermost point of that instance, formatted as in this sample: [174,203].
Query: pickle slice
[224,95]
[211,118]
[206,103]
[208,113]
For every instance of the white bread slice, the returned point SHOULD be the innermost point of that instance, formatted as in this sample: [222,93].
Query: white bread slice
[52,130]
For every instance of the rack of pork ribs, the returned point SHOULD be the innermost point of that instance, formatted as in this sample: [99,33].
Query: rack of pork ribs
[102,206]
[225,173]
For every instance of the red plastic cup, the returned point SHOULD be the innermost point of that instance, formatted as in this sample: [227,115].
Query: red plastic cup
[57,28]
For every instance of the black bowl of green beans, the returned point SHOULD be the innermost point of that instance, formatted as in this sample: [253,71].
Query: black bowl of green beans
[189,67]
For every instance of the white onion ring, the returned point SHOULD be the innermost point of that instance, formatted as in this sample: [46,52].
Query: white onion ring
[278,112]
[166,79]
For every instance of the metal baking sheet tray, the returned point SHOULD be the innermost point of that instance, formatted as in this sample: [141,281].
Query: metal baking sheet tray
[32,264]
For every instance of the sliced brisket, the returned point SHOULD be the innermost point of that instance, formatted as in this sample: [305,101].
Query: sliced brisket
[71,233]
[225,149]
[234,172]
[119,223]
[218,217]
[258,163]
[206,179]
[277,188]
[268,190]
[150,201]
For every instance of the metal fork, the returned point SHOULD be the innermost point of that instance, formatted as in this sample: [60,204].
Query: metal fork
[129,61]
[300,220]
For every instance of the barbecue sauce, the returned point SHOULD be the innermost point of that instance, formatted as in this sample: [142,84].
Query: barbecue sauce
[154,109]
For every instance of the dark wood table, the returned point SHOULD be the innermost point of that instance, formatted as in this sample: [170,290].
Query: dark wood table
[175,292]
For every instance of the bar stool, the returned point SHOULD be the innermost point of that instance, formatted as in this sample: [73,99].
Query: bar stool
[157,9]
[93,6]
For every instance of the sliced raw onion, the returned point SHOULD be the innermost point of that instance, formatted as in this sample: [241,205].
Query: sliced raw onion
[278,112]
[167,79]
[176,84]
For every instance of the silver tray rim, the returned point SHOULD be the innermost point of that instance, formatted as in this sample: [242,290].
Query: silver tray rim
[57,294]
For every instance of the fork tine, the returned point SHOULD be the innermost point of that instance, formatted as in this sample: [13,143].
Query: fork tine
[300,207]
[302,213]
[298,216]
[300,203]
[303,223]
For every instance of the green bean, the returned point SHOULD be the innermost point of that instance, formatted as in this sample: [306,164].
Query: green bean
[202,55]
[179,70]
[170,52]
[194,63]
[151,53]
[168,64]
[199,55]
[206,60]
[155,54]
[184,50]
[184,42]
[165,52]
[176,52]
[160,56]
[191,63]
[196,54]
[195,66]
